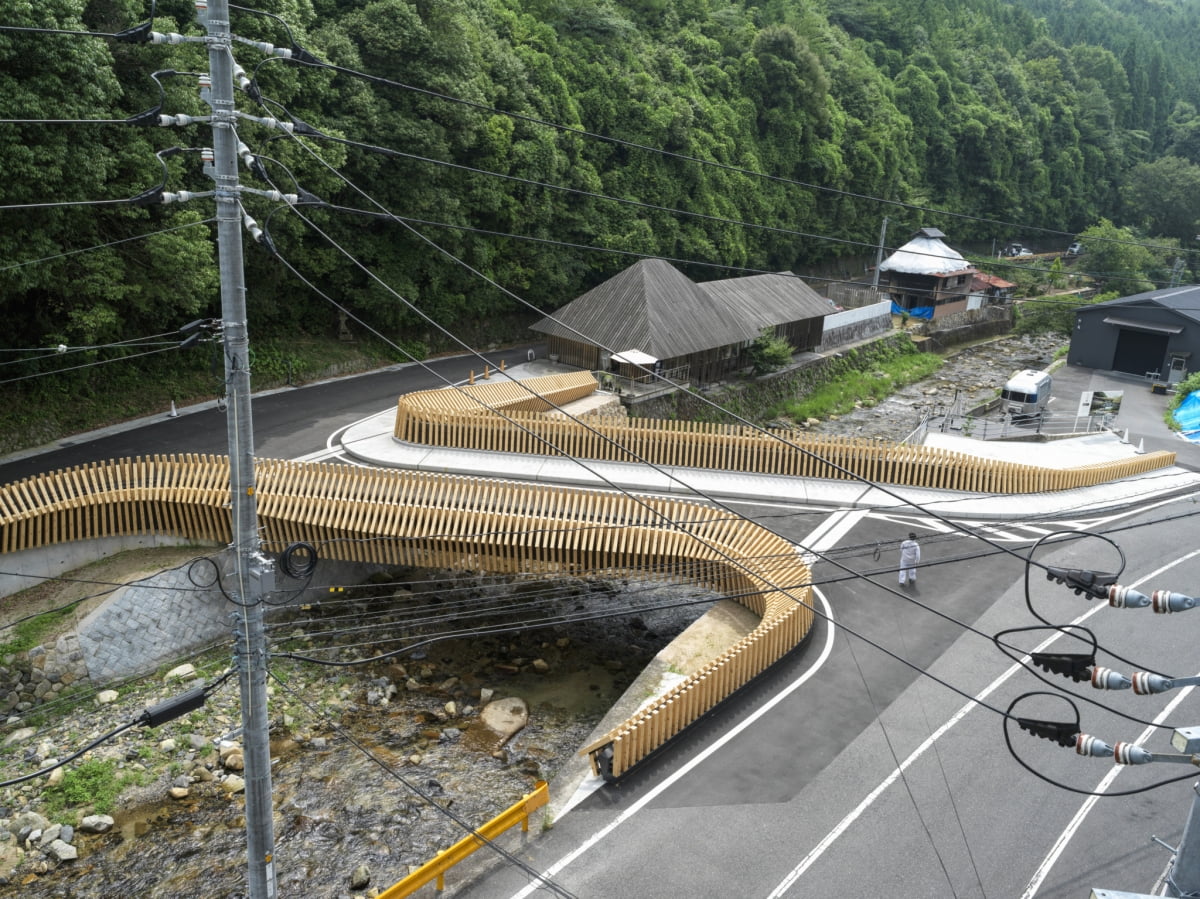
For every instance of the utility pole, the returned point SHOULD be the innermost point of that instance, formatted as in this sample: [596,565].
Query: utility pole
[253,572]
[879,253]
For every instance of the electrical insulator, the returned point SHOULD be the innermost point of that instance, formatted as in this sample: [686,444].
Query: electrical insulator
[1145,683]
[1131,754]
[207,157]
[1126,598]
[1086,744]
[1166,602]
[1107,679]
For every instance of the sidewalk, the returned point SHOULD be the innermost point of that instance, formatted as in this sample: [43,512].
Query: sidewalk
[371,441]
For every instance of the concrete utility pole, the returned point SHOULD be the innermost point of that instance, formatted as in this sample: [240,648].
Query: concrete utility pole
[253,572]
[879,253]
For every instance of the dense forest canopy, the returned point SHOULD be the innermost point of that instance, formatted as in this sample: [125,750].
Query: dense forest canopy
[472,156]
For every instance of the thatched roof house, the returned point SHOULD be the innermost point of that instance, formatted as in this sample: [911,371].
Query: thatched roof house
[927,279]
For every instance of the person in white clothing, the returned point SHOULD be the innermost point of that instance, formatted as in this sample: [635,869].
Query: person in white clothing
[910,557]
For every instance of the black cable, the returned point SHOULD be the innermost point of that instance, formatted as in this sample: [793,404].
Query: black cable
[1009,716]
[86,749]
[148,718]
[1048,299]
[97,363]
[303,129]
[950,524]
[113,243]
[850,475]
[31,29]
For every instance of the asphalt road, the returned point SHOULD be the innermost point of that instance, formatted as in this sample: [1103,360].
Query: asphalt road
[288,423]
[795,788]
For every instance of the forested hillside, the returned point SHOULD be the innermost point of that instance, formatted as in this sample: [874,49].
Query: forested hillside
[537,143]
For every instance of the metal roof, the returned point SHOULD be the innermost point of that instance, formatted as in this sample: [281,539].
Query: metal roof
[1135,325]
[768,300]
[1183,301]
[653,307]
[926,254]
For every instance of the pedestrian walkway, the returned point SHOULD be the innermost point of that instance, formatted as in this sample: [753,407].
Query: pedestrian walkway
[371,442]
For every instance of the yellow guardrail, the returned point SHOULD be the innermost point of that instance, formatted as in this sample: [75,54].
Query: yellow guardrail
[436,868]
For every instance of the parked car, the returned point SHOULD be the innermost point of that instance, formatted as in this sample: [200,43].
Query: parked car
[1016,249]
[1075,249]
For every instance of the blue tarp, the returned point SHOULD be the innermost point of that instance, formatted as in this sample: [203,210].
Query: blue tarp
[1187,414]
[915,312]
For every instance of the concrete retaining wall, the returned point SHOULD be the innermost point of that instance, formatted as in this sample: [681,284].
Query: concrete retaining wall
[30,567]
[854,325]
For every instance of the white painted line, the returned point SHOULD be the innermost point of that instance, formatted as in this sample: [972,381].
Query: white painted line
[826,535]
[1064,838]
[1071,829]
[716,746]
[842,826]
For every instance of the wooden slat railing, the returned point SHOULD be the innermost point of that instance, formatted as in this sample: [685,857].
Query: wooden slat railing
[434,520]
[737,448]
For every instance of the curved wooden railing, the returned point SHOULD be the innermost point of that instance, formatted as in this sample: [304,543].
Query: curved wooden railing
[467,419]
[434,520]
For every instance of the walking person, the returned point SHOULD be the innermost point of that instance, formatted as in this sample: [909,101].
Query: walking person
[910,558]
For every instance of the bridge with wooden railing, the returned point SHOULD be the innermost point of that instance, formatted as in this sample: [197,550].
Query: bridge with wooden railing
[444,521]
[476,524]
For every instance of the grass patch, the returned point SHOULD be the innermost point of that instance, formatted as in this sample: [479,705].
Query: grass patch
[29,633]
[861,387]
[94,784]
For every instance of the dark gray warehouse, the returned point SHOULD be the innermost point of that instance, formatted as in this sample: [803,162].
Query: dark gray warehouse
[1154,334]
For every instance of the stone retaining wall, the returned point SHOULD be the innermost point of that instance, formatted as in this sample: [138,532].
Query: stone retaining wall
[40,675]
[141,627]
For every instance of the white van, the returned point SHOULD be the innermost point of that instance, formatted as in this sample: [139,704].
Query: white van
[1027,392]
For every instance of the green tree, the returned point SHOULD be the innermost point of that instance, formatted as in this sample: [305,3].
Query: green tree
[1116,259]
[769,352]
[1163,196]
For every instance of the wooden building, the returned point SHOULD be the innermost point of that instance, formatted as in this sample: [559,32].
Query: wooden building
[651,317]
[927,279]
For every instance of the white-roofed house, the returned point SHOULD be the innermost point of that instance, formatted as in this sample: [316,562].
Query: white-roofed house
[926,278]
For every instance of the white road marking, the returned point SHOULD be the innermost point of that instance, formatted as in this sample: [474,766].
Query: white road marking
[826,530]
[842,826]
[1065,837]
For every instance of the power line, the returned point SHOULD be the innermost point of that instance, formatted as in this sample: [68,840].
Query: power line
[705,400]
[70,31]
[59,371]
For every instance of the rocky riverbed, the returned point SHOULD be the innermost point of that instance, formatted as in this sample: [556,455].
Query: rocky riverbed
[376,767]
[973,375]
